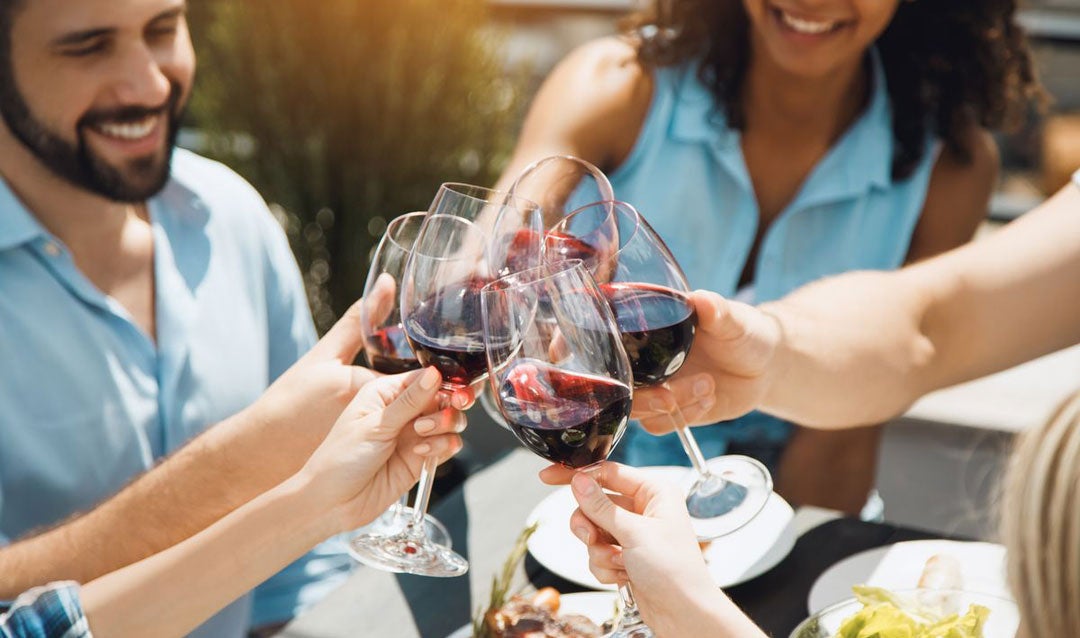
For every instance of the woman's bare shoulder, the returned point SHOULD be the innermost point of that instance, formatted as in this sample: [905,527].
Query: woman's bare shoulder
[593,103]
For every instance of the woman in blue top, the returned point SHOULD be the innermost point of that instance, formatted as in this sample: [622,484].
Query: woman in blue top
[773,143]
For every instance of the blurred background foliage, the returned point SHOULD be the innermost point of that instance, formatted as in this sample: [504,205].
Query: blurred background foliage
[347,113]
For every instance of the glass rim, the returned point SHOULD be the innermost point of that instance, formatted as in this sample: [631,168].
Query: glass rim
[584,163]
[641,225]
[429,216]
[399,221]
[470,191]
[614,203]
[550,270]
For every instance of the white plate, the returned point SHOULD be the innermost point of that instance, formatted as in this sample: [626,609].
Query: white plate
[899,566]
[733,559]
[597,606]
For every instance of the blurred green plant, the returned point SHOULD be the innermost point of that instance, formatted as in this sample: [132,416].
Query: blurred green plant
[347,113]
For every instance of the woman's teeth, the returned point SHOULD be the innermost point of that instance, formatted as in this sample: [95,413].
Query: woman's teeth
[808,27]
[130,130]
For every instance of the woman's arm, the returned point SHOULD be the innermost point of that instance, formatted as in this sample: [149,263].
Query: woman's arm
[368,459]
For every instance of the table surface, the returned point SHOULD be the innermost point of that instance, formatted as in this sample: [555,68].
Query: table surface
[484,519]
[1013,400]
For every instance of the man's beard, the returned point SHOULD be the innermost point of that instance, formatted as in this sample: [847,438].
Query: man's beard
[76,163]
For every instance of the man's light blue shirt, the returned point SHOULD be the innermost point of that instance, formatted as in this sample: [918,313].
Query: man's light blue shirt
[88,400]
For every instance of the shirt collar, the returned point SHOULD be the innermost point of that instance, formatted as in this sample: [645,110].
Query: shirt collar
[863,153]
[17,225]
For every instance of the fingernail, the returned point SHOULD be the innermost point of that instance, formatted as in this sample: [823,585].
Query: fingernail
[582,534]
[583,484]
[703,387]
[429,379]
[423,426]
[707,404]
[618,559]
[459,426]
[422,449]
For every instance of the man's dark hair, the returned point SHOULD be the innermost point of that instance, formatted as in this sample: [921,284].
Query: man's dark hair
[8,10]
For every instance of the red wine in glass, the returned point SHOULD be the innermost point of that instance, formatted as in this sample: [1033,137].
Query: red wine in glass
[455,347]
[657,327]
[566,417]
[388,351]
[649,296]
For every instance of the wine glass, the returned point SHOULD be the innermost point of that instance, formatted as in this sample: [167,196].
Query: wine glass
[558,372]
[559,184]
[560,376]
[388,350]
[649,296]
[469,236]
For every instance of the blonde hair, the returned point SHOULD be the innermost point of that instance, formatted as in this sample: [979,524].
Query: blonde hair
[1041,525]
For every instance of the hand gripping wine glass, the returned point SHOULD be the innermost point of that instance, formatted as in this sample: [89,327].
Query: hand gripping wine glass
[649,296]
[469,235]
[388,350]
[559,374]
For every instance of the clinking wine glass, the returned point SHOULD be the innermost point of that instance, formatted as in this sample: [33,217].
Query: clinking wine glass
[559,374]
[559,184]
[649,295]
[388,350]
[469,236]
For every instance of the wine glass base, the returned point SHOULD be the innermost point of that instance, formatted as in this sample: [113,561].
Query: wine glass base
[394,520]
[735,492]
[406,554]
[637,631]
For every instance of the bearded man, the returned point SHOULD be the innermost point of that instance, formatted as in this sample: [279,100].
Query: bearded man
[146,293]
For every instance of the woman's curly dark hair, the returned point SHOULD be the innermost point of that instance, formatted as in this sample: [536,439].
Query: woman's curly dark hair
[950,65]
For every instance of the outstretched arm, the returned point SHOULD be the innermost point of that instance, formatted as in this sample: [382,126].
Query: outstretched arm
[860,347]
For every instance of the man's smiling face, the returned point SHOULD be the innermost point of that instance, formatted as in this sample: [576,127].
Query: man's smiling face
[95,89]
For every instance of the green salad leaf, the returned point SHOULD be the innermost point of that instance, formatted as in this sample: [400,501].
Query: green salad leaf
[887,615]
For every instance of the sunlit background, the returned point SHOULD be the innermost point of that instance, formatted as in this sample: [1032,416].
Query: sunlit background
[347,113]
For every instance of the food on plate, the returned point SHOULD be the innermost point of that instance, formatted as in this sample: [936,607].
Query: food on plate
[888,615]
[942,571]
[941,578]
[537,617]
[520,616]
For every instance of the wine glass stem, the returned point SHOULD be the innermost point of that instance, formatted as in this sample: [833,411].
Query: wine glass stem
[399,507]
[630,615]
[427,481]
[689,443]
[423,495]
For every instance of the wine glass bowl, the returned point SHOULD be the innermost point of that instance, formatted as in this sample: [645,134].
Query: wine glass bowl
[650,299]
[559,376]
[388,351]
[385,345]
[560,184]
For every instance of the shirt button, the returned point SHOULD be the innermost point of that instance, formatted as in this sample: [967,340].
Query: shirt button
[51,249]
